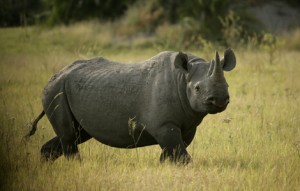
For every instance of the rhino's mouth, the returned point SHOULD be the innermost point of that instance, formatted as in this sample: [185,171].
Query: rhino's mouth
[210,108]
[213,109]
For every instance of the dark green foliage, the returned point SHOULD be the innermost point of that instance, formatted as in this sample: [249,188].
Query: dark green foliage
[222,21]
[18,12]
[52,12]
[205,13]
[66,11]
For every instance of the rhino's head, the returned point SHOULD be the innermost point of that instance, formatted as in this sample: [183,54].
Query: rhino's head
[207,89]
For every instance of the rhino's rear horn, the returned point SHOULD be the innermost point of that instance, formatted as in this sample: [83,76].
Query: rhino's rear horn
[211,68]
[217,57]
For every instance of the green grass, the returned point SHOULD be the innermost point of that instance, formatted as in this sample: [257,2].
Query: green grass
[253,145]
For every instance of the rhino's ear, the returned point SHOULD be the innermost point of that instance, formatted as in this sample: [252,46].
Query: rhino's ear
[229,60]
[180,61]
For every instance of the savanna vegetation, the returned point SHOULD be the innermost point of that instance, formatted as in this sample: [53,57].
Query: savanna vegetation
[253,145]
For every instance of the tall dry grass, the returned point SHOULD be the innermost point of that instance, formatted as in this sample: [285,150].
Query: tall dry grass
[253,145]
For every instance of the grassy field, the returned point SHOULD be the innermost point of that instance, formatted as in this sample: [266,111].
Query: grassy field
[253,145]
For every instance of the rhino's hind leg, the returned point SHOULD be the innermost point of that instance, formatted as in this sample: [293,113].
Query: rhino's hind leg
[69,144]
[51,150]
[54,148]
[68,130]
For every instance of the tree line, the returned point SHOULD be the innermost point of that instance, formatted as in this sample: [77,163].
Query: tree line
[53,12]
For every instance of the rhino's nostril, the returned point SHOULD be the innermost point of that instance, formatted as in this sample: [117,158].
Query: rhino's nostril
[227,100]
[211,99]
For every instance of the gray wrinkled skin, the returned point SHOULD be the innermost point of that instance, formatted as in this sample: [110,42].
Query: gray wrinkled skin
[159,101]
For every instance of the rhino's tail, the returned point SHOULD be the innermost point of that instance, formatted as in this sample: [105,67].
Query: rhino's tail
[34,124]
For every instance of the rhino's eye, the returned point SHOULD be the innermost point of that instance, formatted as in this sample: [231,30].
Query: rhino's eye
[197,88]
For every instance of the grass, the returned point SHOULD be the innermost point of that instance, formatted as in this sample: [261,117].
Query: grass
[253,145]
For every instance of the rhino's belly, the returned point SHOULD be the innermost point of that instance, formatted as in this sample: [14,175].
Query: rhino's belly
[115,126]
[112,138]
[121,136]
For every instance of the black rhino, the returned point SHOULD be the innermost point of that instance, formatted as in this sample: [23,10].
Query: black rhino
[159,101]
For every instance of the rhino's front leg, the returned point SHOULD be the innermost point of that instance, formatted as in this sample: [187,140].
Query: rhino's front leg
[170,140]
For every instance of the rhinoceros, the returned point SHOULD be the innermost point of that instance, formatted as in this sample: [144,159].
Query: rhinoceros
[158,101]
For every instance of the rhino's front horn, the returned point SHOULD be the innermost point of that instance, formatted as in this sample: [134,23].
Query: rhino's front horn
[217,69]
